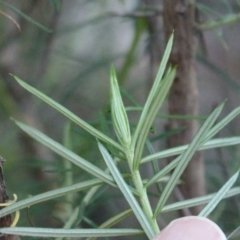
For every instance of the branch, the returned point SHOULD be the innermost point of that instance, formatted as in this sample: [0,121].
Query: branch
[150,12]
[232,18]
[11,19]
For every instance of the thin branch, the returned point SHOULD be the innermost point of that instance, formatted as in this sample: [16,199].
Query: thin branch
[137,14]
[230,19]
[11,19]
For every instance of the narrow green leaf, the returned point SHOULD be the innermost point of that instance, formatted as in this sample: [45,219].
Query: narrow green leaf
[214,143]
[155,167]
[154,90]
[173,151]
[198,201]
[65,153]
[69,115]
[219,196]
[114,220]
[73,233]
[119,115]
[226,20]
[223,123]
[130,98]
[29,19]
[49,195]
[186,157]
[80,215]
[233,233]
[163,172]
[148,116]
[68,167]
[73,217]
[106,130]
[161,70]
[222,74]
[127,193]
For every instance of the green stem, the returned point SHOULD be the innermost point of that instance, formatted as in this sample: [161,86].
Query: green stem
[68,175]
[144,199]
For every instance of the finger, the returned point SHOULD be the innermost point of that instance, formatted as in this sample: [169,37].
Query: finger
[191,228]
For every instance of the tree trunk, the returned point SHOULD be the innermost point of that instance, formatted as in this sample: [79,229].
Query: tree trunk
[183,99]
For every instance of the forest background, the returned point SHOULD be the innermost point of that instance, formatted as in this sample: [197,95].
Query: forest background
[65,49]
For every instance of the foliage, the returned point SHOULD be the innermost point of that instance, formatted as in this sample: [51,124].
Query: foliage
[130,149]
[83,187]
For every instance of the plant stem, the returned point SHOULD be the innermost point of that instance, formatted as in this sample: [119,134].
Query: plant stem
[136,177]
[143,197]
[68,175]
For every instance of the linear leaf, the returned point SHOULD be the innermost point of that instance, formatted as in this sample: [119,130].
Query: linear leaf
[162,66]
[149,115]
[106,130]
[233,233]
[198,201]
[114,220]
[127,193]
[153,92]
[219,196]
[74,233]
[69,115]
[119,115]
[173,151]
[214,143]
[163,172]
[29,19]
[186,157]
[90,196]
[49,195]
[223,123]
[65,153]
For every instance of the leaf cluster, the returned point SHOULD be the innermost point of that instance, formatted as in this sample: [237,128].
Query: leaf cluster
[128,147]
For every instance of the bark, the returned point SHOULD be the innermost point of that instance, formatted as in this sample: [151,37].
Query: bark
[183,99]
[5,221]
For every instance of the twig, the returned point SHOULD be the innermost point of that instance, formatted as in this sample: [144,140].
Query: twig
[11,19]
[232,18]
[137,14]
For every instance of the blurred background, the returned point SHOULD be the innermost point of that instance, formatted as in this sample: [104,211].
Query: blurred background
[65,49]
